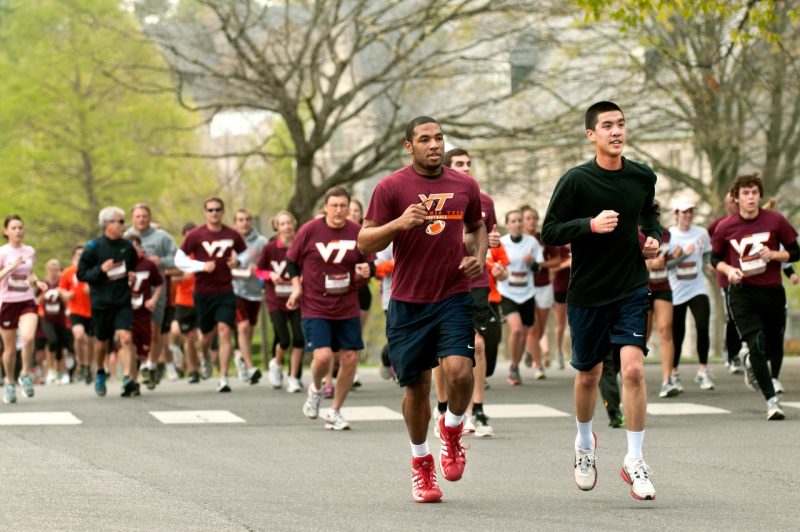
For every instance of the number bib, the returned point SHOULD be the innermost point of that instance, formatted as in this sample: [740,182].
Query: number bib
[517,278]
[18,283]
[337,284]
[658,275]
[117,271]
[687,270]
[240,274]
[283,290]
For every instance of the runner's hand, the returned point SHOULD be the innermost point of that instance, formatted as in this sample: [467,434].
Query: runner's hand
[735,275]
[650,249]
[107,265]
[471,266]
[294,299]
[414,216]
[494,237]
[209,266]
[606,221]
[362,270]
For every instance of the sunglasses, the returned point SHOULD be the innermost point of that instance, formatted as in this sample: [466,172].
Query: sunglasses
[214,209]
[118,221]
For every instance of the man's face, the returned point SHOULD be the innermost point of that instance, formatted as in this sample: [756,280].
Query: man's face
[608,135]
[336,210]
[462,163]
[243,222]
[141,219]
[749,199]
[427,146]
[213,212]
[530,221]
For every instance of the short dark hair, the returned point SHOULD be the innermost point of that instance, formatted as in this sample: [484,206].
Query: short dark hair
[594,111]
[455,152]
[214,199]
[418,121]
[188,227]
[336,192]
[141,205]
[752,179]
[135,238]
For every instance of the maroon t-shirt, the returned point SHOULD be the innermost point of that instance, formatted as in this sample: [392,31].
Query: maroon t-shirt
[658,279]
[327,258]
[53,305]
[561,277]
[489,220]
[205,245]
[542,277]
[273,259]
[738,241]
[722,279]
[427,257]
[147,277]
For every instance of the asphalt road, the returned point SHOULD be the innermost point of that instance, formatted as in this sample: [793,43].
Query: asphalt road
[120,468]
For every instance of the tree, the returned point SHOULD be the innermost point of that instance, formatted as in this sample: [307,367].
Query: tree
[73,139]
[343,77]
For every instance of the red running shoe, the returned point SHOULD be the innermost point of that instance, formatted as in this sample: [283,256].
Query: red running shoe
[451,457]
[423,480]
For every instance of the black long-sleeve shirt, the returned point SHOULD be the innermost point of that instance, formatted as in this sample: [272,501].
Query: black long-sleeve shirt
[105,292]
[605,267]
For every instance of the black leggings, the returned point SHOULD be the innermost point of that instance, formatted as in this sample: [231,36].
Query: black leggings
[281,321]
[701,311]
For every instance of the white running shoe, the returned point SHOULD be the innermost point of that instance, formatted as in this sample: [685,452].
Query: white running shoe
[778,386]
[223,386]
[311,406]
[275,374]
[52,377]
[538,374]
[750,379]
[677,382]
[637,474]
[172,372]
[482,427]
[585,471]
[668,389]
[774,410]
[293,385]
[335,421]
[241,369]
[64,379]
[469,426]
[703,378]
[27,385]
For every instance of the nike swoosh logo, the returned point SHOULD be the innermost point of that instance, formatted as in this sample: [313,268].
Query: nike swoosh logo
[638,335]
[470,346]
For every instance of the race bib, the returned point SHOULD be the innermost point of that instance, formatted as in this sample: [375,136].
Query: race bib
[137,301]
[117,271]
[337,283]
[752,265]
[658,275]
[687,270]
[283,290]
[18,283]
[241,274]
[52,308]
[517,278]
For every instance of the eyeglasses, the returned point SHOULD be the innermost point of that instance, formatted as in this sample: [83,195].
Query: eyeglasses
[214,209]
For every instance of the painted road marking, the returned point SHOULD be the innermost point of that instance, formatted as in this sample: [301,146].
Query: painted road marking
[680,409]
[370,413]
[196,416]
[522,410]
[39,418]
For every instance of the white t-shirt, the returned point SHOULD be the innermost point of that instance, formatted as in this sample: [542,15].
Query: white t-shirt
[518,286]
[687,280]
[385,255]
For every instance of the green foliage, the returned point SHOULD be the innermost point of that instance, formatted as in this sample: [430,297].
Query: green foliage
[80,127]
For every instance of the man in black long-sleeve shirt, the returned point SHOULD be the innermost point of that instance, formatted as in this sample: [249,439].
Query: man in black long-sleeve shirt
[597,207]
[108,264]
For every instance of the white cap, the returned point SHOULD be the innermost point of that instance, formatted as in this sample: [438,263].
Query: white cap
[683,204]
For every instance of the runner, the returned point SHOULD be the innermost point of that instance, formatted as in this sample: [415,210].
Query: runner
[271,267]
[17,306]
[216,249]
[159,247]
[247,288]
[745,247]
[324,252]
[430,212]
[356,215]
[486,321]
[517,290]
[538,354]
[108,264]
[186,317]
[145,293]
[560,286]
[54,323]
[76,294]
[596,206]
[689,290]
[384,266]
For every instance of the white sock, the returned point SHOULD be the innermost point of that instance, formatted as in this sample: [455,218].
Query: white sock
[635,440]
[223,379]
[418,451]
[451,420]
[585,439]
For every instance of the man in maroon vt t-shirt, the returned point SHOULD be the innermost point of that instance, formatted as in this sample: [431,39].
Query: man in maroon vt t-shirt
[214,248]
[429,212]
[746,249]
[325,253]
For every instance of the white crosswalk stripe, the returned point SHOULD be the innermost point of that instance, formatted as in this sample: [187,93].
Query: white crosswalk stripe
[39,418]
[522,410]
[682,409]
[170,417]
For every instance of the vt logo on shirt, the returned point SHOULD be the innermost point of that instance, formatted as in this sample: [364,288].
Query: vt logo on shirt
[280,267]
[218,248]
[428,200]
[750,244]
[436,222]
[340,246]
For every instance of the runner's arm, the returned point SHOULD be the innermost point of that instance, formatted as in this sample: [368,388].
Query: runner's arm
[187,265]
